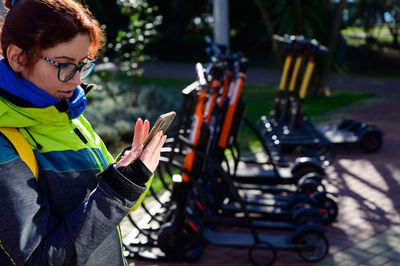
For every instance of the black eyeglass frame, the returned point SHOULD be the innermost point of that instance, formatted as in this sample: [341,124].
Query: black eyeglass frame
[61,65]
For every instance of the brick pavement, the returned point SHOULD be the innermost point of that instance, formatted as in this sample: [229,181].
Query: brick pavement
[382,249]
[369,184]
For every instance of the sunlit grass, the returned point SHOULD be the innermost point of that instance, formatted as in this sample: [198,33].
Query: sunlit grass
[357,36]
[259,102]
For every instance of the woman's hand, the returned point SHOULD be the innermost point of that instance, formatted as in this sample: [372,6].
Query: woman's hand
[150,156]
[141,132]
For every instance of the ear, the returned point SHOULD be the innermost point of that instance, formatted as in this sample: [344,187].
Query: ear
[13,57]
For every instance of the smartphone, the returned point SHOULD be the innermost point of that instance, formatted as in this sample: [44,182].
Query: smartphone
[162,124]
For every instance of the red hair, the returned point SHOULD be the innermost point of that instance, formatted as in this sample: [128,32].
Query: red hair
[36,25]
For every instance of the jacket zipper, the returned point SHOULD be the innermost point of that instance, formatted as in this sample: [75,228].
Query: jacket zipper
[82,137]
[85,141]
[38,146]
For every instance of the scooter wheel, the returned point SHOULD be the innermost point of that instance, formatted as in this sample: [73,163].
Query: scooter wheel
[312,246]
[302,169]
[311,176]
[371,141]
[310,186]
[306,215]
[170,238]
[300,201]
[330,207]
[262,253]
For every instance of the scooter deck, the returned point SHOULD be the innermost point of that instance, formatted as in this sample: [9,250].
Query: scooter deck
[337,136]
[274,225]
[259,175]
[272,212]
[265,199]
[284,188]
[246,240]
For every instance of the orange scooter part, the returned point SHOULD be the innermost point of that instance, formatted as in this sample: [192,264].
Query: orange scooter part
[227,81]
[234,100]
[215,85]
[195,133]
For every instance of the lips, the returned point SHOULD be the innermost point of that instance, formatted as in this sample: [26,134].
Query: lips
[67,94]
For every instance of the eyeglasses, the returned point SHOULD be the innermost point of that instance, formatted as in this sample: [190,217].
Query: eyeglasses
[67,70]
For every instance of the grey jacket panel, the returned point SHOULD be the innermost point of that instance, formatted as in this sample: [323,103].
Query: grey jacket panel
[81,232]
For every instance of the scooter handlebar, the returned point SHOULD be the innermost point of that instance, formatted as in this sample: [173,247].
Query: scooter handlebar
[213,47]
[200,74]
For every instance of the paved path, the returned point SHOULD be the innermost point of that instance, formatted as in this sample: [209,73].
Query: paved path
[367,231]
[368,186]
[382,249]
[265,77]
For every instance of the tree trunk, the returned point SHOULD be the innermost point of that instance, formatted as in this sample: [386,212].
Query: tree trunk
[299,27]
[265,17]
[332,46]
[270,29]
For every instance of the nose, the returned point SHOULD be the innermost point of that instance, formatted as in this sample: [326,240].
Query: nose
[76,79]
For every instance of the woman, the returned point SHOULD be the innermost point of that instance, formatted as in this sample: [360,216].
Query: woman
[70,216]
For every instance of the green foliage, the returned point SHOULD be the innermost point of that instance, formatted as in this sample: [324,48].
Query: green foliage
[175,35]
[185,23]
[166,83]
[108,13]
[116,104]
[368,15]
[130,41]
[157,185]
[356,36]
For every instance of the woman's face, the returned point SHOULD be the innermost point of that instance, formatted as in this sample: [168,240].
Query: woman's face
[44,75]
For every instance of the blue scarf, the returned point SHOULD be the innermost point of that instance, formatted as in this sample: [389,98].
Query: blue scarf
[27,91]
[77,103]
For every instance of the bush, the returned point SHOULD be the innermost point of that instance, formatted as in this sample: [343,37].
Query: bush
[115,105]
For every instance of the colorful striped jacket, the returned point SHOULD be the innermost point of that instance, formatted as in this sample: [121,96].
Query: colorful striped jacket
[71,215]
